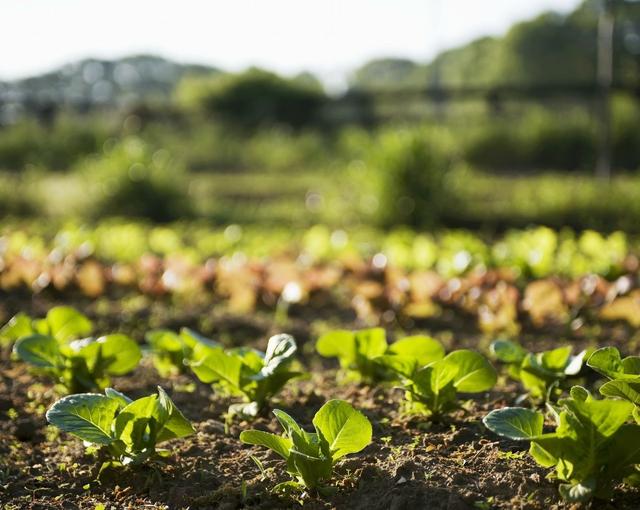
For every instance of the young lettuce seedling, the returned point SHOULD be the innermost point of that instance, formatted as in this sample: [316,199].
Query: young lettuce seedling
[62,323]
[357,351]
[52,345]
[592,448]
[624,375]
[171,351]
[249,373]
[310,456]
[432,388]
[128,429]
[539,372]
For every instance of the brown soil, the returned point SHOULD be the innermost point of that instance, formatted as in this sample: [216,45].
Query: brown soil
[412,463]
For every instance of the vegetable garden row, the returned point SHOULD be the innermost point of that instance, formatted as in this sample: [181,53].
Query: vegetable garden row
[156,367]
[587,443]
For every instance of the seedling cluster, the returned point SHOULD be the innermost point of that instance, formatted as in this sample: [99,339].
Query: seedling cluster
[592,444]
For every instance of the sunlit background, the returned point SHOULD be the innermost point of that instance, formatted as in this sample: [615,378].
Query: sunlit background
[484,115]
[330,38]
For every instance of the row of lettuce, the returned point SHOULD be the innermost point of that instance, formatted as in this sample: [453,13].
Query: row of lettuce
[591,443]
[534,252]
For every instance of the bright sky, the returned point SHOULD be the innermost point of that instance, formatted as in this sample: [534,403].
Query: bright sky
[328,37]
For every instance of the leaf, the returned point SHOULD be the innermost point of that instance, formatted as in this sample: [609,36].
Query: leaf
[555,360]
[371,342]
[280,346]
[139,423]
[345,429]
[120,397]
[274,383]
[575,363]
[86,415]
[163,340]
[290,425]
[623,451]
[177,425]
[191,338]
[311,468]
[533,381]
[441,373]
[579,393]
[423,348]
[19,326]
[582,437]
[280,350]
[252,359]
[534,365]
[119,354]
[244,409]
[280,445]
[577,493]
[549,450]
[622,389]
[631,365]
[216,365]
[541,456]
[515,423]
[66,323]
[304,442]
[600,417]
[400,364]
[508,352]
[39,350]
[607,361]
[626,308]
[474,373]
[340,344]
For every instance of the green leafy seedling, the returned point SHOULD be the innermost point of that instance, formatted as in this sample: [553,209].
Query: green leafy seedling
[358,351]
[128,429]
[539,372]
[623,375]
[171,351]
[55,346]
[592,448]
[432,389]
[61,322]
[339,430]
[251,374]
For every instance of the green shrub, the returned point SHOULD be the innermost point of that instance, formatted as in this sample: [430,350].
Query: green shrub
[535,140]
[17,196]
[411,169]
[626,132]
[253,99]
[130,179]
[56,148]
